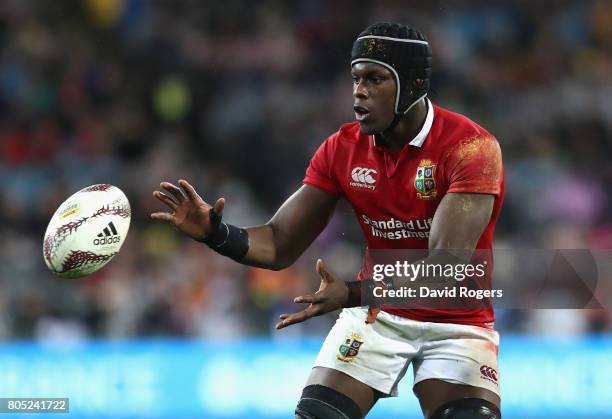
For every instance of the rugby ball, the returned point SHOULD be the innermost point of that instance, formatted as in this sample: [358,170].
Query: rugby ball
[86,231]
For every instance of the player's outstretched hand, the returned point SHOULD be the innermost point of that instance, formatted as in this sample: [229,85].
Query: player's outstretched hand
[188,211]
[332,295]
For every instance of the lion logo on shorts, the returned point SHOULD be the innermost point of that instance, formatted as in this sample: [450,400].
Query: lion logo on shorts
[350,348]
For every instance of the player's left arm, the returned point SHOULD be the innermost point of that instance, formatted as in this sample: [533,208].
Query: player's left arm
[474,171]
[460,220]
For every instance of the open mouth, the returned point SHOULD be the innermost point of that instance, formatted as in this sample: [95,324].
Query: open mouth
[361,113]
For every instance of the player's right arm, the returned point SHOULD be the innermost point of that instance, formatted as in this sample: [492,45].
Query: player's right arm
[279,242]
[274,245]
[296,224]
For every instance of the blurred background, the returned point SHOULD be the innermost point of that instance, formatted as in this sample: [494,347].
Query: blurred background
[236,96]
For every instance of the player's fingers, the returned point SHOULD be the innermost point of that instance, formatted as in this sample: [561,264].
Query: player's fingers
[165,199]
[189,190]
[300,316]
[325,276]
[219,205]
[310,298]
[176,192]
[163,216]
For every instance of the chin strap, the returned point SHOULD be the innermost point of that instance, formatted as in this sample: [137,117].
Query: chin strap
[398,117]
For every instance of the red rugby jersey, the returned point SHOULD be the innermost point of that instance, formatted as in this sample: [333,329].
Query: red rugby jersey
[395,194]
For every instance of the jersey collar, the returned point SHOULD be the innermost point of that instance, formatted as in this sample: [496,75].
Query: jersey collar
[424,132]
[422,135]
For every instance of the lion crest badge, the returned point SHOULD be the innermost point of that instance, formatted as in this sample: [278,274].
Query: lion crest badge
[350,348]
[424,181]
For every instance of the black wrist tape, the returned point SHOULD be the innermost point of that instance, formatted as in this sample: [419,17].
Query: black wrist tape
[361,293]
[226,239]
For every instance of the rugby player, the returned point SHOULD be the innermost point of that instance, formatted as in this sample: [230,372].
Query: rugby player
[418,177]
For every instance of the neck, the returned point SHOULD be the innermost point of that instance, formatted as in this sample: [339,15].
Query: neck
[406,129]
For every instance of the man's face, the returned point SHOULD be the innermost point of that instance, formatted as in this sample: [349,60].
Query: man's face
[374,94]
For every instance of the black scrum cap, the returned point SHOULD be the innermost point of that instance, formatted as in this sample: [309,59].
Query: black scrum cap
[402,50]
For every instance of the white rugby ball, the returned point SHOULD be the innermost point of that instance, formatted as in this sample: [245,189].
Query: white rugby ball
[86,231]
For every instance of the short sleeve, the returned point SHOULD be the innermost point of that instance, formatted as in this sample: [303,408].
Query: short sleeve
[320,171]
[475,165]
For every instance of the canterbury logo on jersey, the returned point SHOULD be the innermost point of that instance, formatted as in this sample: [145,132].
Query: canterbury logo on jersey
[488,373]
[363,177]
[108,236]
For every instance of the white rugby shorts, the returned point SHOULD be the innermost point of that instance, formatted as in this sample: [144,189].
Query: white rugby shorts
[379,354]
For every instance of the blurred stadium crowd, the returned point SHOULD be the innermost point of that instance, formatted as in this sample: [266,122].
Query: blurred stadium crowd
[236,96]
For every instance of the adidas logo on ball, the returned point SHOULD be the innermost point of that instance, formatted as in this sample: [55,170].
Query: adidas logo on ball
[108,236]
